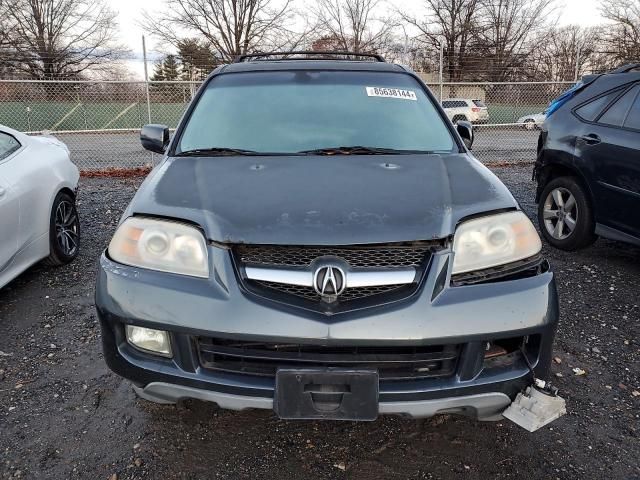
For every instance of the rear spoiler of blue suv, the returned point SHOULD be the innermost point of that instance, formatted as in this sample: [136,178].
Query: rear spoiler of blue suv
[585,82]
[569,94]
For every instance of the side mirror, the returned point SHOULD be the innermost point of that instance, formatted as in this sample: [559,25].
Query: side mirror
[155,138]
[465,130]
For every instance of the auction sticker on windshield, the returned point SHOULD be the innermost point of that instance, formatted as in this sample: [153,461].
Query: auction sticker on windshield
[387,92]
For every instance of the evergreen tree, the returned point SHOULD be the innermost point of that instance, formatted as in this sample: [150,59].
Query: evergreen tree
[158,72]
[170,68]
[196,58]
[166,70]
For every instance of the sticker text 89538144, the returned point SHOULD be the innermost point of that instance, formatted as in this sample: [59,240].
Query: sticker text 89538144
[387,92]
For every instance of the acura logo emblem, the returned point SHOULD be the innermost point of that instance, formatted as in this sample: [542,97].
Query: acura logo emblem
[329,281]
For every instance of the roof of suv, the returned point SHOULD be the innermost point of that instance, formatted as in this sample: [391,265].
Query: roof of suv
[302,64]
[594,85]
[627,73]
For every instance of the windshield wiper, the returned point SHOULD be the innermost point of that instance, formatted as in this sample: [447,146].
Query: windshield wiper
[217,152]
[360,150]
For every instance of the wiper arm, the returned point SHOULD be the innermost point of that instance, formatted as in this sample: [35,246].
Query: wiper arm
[216,151]
[360,150]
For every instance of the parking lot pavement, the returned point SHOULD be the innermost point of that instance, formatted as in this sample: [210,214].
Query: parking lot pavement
[64,415]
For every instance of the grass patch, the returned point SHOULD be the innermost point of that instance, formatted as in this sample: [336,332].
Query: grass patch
[37,116]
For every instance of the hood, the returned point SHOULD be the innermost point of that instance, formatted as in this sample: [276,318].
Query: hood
[322,200]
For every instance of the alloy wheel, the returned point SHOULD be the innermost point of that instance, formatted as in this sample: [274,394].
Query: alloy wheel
[67,227]
[560,213]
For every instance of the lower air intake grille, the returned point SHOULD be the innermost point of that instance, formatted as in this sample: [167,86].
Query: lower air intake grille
[264,359]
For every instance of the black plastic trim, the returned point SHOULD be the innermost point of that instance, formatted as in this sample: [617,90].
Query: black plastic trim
[529,267]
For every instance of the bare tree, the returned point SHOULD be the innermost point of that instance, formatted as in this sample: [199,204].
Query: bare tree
[562,53]
[4,26]
[230,27]
[60,39]
[6,52]
[506,37]
[622,39]
[354,25]
[450,23]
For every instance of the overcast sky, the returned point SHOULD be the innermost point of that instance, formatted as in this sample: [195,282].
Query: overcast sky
[583,12]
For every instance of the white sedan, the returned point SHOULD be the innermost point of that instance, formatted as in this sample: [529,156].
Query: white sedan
[533,121]
[38,216]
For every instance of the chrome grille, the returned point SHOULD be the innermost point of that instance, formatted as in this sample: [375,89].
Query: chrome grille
[357,257]
[385,260]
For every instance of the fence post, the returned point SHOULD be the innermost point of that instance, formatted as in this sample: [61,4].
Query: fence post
[441,67]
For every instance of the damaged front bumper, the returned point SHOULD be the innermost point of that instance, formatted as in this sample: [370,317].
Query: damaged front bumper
[491,326]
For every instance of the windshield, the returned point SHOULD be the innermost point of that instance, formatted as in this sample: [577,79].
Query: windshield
[298,111]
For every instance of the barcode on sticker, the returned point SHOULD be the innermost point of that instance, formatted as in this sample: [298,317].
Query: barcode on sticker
[387,92]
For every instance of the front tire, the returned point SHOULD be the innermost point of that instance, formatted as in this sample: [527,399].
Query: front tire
[64,231]
[565,214]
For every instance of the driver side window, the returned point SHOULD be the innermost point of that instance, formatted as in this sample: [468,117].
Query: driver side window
[8,145]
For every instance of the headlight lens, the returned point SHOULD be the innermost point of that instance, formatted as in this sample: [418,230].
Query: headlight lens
[494,240]
[160,245]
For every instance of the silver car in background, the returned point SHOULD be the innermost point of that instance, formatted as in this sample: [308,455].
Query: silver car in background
[533,121]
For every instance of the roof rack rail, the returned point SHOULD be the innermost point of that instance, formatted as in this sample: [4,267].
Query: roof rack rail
[627,68]
[308,55]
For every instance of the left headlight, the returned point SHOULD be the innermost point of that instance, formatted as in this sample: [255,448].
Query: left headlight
[160,245]
[494,240]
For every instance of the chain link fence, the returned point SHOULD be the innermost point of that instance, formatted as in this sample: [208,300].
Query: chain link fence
[100,121]
[514,115]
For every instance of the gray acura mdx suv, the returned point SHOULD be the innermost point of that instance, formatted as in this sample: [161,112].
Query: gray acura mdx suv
[319,240]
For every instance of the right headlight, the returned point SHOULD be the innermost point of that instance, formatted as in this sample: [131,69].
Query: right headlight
[161,245]
[494,240]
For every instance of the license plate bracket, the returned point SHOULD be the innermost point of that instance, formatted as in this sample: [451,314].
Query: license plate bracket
[329,394]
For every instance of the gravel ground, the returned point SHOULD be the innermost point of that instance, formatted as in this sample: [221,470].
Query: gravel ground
[64,415]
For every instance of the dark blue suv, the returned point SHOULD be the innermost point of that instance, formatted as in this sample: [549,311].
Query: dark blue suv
[318,240]
[588,166]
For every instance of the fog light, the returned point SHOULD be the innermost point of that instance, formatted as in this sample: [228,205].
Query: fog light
[149,340]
